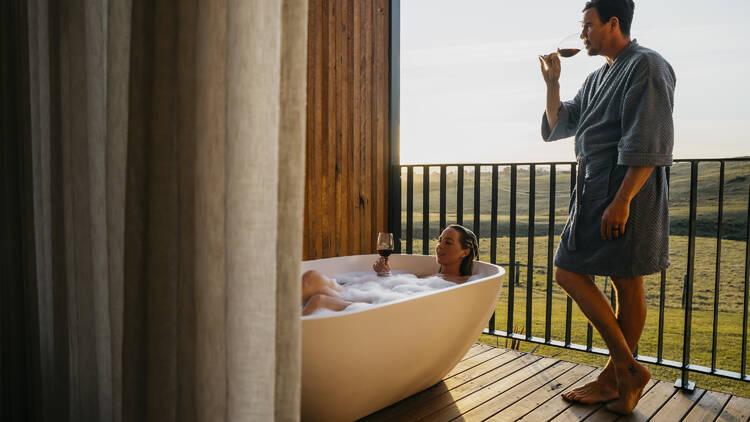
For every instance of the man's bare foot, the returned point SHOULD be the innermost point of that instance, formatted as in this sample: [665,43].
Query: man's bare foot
[604,388]
[630,384]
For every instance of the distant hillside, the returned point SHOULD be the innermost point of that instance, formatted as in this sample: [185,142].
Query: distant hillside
[736,193]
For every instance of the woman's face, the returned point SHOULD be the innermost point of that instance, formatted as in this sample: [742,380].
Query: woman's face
[448,249]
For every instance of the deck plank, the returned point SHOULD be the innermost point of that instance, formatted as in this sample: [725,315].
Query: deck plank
[497,384]
[738,409]
[554,387]
[409,404]
[708,407]
[475,360]
[448,398]
[475,350]
[470,401]
[678,405]
[650,403]
[557,404]
[593,412]
[513,395]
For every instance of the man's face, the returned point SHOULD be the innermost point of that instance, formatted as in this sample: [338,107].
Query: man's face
[593,32]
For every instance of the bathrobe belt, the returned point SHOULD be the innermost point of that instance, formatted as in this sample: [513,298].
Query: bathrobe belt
[580,178]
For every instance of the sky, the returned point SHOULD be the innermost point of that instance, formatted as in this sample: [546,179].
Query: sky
[472,91]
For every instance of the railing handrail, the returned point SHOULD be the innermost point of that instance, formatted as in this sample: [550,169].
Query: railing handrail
[547,163]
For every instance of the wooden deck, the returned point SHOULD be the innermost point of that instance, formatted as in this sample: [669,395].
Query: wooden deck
[497,384]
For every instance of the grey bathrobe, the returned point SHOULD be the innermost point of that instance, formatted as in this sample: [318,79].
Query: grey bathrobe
[621,117]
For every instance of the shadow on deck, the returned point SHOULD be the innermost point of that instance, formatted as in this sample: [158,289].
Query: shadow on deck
[498,384]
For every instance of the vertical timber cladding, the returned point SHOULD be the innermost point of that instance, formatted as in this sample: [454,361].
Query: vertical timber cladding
[346,181]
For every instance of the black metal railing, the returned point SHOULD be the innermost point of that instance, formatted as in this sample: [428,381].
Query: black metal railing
[687,227]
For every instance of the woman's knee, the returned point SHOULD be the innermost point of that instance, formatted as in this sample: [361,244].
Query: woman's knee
[308,276]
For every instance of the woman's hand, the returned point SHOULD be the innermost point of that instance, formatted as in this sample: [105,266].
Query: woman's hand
[381,267]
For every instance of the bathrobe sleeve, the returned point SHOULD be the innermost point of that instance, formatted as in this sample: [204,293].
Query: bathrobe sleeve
[567,120]
[647,126]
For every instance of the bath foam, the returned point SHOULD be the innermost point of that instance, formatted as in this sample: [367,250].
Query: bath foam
[366,289]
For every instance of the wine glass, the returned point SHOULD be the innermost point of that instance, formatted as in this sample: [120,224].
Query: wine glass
[385,244]
[570,45]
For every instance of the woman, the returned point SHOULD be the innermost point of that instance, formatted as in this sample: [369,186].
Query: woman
[456,250]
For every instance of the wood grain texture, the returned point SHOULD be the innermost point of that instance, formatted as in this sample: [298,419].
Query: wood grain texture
[346,182]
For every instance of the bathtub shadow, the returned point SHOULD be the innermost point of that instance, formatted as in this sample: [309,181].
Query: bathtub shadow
[410,406]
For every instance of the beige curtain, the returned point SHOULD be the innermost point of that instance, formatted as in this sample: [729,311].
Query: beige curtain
[167,149]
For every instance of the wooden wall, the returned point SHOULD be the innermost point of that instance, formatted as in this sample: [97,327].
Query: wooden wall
[346,189]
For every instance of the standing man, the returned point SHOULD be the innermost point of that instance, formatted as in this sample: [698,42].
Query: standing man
[618,225]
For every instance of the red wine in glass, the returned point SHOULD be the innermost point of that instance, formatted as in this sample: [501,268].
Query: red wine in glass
[568,52]
[570,45]
[385,252]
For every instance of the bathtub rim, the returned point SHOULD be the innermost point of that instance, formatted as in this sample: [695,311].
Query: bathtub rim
[495,271]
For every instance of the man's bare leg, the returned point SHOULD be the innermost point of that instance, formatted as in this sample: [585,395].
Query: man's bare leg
[630,375]
[631,317]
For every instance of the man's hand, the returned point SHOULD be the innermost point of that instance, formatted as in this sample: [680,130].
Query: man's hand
[616,215]
[614,219]
[550,65]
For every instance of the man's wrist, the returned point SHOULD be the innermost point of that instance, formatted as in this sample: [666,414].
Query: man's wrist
[622,199]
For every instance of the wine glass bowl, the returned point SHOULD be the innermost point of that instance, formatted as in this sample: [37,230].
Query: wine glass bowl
[385,244]
[570,45]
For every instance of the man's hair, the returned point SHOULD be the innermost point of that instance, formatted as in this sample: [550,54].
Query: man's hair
[622,9]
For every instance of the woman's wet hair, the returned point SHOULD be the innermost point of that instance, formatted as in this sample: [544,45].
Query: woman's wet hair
[622,9]
[468,241]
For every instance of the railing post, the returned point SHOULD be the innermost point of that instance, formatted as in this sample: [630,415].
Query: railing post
[426,210]
[460,196]
[512,246]
[717,275]
[550,251]
[530,249]
[409,208]
[745,304]
[477,194]
[684,382]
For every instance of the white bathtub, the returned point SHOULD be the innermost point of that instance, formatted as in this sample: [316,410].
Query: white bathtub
[355,363]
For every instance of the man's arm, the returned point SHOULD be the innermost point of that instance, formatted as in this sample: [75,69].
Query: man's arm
[616,214]
[550,65]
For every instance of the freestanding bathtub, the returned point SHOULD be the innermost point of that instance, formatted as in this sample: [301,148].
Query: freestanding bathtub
[355,363]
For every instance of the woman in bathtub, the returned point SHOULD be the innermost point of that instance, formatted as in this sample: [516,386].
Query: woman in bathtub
[457,248]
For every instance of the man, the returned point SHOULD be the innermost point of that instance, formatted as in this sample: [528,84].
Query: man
[618,225]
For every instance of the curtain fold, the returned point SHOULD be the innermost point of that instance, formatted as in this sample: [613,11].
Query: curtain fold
[167,169]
